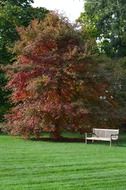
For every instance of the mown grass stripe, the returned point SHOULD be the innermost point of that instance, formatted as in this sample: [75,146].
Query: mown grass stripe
[60,166]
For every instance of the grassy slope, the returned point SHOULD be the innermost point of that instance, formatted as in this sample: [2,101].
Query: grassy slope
[31,165]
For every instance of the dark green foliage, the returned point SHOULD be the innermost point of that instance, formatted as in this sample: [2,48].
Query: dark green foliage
[13,16]
[4,105]
[106,20]
[118,80]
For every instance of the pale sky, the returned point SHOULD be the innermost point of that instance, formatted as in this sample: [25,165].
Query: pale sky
[70,8]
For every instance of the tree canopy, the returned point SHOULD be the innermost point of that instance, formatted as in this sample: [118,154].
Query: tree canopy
[55,85]
[106,21]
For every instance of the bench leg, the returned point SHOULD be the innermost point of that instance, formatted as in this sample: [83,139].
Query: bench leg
[110,143]
[85,141]
[85,138]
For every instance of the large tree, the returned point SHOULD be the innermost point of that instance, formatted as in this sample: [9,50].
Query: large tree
[13,14]
[106,20]
[55,85]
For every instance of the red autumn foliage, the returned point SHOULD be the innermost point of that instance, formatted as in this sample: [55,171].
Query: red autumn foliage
[52,80]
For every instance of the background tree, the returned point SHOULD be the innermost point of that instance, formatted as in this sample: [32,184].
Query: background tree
[13,14]
[117,73]
[106,20]
[55,85]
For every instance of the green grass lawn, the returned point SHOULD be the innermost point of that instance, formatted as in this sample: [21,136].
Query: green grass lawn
[33,165]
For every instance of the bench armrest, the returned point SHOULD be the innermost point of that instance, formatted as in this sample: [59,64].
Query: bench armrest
[114,136]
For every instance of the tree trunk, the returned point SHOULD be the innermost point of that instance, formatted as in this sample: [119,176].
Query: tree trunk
[56,134]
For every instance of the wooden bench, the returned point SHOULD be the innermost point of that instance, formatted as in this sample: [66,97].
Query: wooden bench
[102,135]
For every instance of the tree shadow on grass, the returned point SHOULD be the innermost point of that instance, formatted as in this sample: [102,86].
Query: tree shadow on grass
[63,139]
[120,143]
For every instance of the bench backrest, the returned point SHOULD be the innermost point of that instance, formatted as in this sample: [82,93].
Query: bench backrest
[106,133]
